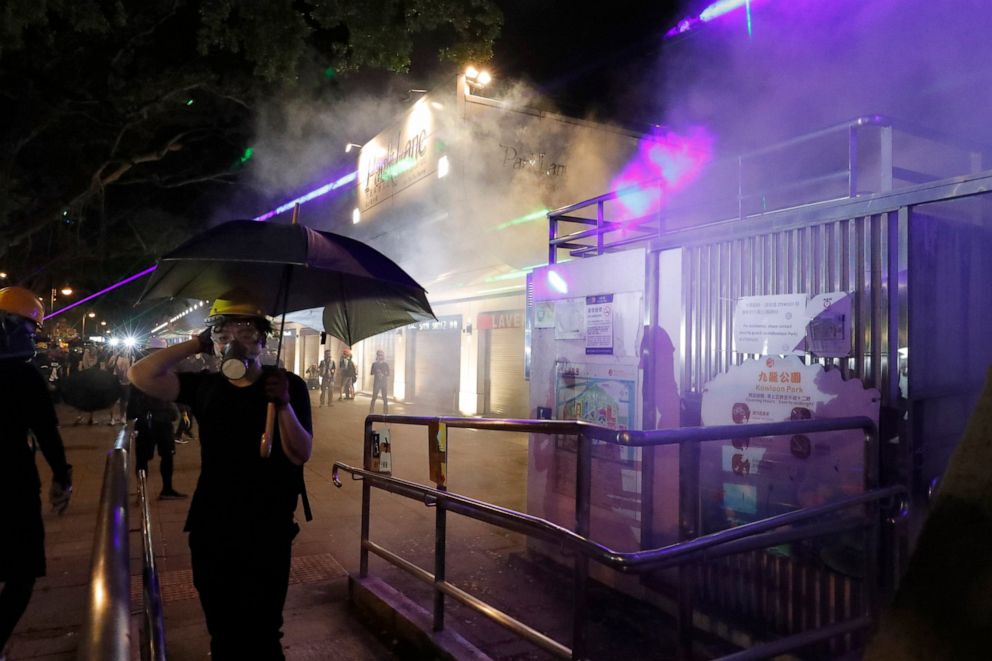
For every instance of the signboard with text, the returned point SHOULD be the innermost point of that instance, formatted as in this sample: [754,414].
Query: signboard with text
[754,477]
[500,319]
[599,324]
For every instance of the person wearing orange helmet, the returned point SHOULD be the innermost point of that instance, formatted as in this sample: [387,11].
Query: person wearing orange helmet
[25,407]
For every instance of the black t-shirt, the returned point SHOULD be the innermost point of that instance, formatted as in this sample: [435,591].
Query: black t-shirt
[25,404]
[238,491]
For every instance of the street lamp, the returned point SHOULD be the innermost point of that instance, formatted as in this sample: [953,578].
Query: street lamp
[3,275]
[66,291]
[477,79]
[91,315]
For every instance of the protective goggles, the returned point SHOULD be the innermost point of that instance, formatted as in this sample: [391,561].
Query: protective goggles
[242,331]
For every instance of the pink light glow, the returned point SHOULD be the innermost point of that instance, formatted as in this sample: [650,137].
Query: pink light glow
[664,164]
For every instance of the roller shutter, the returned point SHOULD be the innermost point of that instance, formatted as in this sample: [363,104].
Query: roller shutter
[437,363]
[507,389]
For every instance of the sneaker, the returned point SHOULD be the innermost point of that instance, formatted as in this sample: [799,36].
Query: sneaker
[182,441]
[171,494]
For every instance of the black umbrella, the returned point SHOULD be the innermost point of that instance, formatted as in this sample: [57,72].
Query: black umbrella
[291,267]
[91,389]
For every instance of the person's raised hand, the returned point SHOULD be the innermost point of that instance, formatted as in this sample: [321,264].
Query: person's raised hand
[206,342]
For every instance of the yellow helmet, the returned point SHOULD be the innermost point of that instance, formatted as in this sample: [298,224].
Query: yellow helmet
[20,301]
[236,303]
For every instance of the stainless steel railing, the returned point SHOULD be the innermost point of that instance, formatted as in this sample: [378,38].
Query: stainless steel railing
[107,627]
[805,523]
[842,161]
[153,632]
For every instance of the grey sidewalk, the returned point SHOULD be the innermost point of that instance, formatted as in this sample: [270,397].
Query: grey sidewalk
[487,562]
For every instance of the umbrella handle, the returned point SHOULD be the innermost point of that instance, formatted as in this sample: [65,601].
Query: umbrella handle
[270,425]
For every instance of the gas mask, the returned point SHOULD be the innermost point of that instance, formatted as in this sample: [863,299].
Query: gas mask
[234,361]
[16,337]
[236,358]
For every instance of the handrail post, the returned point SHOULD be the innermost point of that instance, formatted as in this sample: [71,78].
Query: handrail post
[689,528]
[363,562]
[583,507]
[437,433]
[873,531]
[440,539]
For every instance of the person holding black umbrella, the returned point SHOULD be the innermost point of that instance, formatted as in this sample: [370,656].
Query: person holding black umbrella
[25,406]
[240,521]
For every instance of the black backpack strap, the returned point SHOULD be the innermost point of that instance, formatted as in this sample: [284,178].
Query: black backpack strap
[307,512]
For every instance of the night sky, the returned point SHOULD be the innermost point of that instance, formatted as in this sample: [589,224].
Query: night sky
[583,54]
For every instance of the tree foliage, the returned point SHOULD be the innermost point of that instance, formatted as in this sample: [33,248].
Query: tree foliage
[121,114]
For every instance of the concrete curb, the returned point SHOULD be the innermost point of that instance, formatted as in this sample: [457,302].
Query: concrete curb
[381,606]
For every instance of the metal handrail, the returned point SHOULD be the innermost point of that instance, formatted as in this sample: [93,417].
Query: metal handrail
[699,549]
[852,172]
[792,526]
[154,617]
[106,631]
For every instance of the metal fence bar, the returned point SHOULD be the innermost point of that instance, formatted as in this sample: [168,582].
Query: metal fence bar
[154,633]
[805,523]
[106,630]
[630,561]
[440,541]
[799,640]
[496,615]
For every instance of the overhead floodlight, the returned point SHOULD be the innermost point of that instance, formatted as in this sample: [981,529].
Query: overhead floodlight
[471,73]
[484,78]
[130,341]
[67,291]
[114,341]
[356,216]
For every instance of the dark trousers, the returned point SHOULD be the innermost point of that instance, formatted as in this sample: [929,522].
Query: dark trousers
[242,583]
[22,554]
[157,435]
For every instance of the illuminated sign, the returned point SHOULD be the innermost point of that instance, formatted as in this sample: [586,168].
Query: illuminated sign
[451,322]
[500,319]
[397,157]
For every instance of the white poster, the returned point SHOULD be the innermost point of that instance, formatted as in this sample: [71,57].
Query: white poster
[570,319]
[544,314]
[599,324]
[770,324]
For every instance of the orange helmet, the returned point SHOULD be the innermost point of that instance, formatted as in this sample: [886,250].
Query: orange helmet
[23,303]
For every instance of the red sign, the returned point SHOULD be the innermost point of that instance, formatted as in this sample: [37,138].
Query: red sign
[501,319]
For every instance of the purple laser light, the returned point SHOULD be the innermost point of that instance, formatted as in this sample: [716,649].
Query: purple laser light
[303,199]
[101,292]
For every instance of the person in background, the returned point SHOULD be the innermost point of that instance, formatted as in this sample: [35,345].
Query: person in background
[313,378]
[326,371]
[153,431]
[25,407]
[347,370]
[240,521]
[380,380]
[90,360]
[119,364]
